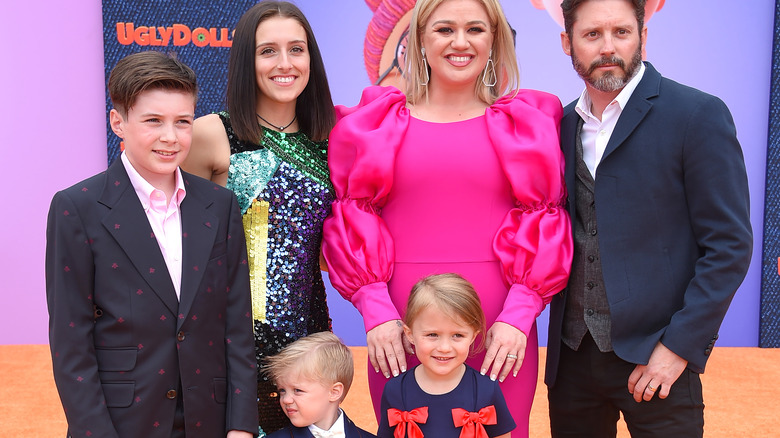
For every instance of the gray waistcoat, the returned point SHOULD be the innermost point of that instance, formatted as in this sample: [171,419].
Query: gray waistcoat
[587,309]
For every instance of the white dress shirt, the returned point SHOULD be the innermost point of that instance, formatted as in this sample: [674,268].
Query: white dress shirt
[596,133]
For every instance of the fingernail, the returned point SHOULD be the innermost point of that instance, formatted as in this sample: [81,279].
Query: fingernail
[387,375]
[376,370]
[403,369]
[483,371]
[514,374]
[501,380]
[493,377]
[395,373]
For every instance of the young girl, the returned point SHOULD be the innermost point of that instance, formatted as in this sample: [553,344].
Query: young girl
[443,397]
[270,148]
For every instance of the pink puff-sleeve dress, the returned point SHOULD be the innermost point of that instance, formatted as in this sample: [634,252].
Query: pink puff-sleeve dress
[482,197]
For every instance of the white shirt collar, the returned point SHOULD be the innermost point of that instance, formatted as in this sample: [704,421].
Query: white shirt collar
[336,430]
[584,102]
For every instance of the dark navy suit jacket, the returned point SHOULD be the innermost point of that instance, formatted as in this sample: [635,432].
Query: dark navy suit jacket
[350,430]
[120,339]
[672,212]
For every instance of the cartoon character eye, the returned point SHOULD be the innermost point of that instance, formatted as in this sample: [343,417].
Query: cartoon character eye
[400,57]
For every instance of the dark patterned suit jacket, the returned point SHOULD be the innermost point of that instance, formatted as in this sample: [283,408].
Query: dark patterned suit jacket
[121,341]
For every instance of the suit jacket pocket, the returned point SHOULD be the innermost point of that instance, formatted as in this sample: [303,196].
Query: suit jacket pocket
[118,394]
[219,388]
[116,359]
[219,250]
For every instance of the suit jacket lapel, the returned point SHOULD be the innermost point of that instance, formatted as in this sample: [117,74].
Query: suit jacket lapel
[199,231]
[128,224]
[568,144]
[636,109]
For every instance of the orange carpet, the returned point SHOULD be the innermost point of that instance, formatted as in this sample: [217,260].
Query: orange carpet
[739,392]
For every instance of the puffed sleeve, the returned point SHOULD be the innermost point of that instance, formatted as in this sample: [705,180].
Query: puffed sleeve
[357,245]
[534,242]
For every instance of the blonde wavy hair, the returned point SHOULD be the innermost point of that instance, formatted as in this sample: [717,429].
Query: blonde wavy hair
[503,53]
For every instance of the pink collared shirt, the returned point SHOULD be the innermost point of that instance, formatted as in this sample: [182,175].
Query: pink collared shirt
[164,217]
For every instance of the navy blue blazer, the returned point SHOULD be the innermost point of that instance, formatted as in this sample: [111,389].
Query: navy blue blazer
[350,431]
[121,341]
[673,221]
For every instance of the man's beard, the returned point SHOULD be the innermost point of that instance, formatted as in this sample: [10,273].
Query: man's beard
[608,82]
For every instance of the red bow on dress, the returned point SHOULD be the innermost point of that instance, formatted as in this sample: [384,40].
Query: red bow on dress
[402,418]
[472,422]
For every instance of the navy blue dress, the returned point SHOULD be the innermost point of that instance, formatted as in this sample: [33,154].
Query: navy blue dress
[473,393]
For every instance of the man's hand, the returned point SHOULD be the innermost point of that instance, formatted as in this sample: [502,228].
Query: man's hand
[660,373]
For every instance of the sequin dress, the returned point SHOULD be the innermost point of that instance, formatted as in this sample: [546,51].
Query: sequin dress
[284,192]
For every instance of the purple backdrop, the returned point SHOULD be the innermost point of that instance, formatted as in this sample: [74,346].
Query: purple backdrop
[52,117]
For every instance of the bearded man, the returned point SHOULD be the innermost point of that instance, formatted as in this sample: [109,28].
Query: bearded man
[658,197]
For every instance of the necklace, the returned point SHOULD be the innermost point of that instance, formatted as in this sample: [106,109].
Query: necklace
[278,128]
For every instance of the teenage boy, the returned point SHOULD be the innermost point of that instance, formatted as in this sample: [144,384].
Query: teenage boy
[146,278]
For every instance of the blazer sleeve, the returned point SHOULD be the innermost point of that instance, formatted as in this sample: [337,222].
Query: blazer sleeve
[239,338]
[534,242]
[357,245]
[716,190]
[70,279]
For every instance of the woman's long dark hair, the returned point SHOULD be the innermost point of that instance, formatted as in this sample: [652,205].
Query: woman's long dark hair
[314,107]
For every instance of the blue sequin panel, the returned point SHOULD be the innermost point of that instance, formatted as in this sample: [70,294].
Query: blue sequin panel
[298,208]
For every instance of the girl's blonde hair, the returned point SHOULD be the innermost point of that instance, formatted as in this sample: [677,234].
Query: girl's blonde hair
[503,53]
[453,295]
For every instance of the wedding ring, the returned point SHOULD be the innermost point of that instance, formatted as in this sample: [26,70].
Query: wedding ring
[511,356]
[652,388]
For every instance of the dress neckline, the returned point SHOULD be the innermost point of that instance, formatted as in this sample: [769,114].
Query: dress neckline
[472,119]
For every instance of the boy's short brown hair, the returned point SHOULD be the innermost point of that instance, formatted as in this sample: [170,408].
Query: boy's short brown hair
[149,70]
[320,356]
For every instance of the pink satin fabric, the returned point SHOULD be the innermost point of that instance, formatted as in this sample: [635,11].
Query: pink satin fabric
[482,197]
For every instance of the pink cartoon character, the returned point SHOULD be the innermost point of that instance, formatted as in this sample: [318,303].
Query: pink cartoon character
[385,44]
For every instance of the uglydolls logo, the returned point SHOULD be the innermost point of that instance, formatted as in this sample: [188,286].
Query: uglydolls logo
[177,35]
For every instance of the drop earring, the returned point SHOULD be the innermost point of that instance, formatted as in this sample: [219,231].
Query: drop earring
[489,75]
[425,68]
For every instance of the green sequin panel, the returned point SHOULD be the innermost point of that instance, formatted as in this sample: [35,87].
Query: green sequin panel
[249,174]
[308,156]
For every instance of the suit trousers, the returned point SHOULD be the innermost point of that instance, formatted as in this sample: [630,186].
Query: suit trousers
[592,390]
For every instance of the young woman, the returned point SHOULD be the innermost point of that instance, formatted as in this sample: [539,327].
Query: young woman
[450,178]
[270,148]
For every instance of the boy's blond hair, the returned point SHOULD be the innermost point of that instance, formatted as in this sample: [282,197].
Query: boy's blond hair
[319,356]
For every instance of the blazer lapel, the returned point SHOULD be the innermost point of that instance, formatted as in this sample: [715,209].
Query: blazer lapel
[636,109]
[128,224]
[568,145]
[199,231]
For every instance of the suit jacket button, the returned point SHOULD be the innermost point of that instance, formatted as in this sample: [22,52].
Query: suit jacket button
[171,394]
[180,336]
